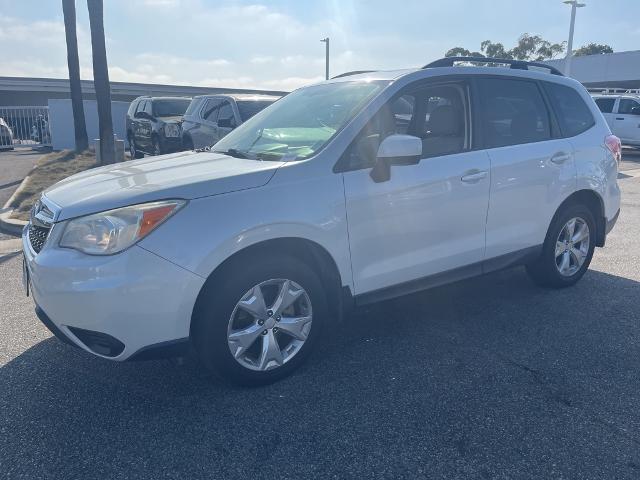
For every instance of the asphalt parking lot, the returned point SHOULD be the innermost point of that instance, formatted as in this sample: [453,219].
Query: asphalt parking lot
[488,378]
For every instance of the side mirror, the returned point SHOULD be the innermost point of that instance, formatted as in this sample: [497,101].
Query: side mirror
[395,150]
[226,123]
[635,111]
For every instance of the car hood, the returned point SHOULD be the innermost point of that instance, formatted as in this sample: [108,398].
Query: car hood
[185,175]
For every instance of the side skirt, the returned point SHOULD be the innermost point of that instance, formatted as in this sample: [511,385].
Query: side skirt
[520,257]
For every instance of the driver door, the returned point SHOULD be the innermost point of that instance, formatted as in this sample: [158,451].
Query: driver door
[428,218]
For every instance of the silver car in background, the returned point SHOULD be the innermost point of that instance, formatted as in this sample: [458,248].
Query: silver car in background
[211,117]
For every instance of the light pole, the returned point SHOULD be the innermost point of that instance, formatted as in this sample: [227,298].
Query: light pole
[574,6]
[326,41]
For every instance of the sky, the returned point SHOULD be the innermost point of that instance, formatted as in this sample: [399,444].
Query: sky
[276,44]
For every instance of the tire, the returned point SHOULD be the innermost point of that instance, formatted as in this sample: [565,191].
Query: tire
[155,146]
[133,151]
[218,310]
[546,271]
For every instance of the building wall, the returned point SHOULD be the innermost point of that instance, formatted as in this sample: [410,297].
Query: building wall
[61,122]
[620,69]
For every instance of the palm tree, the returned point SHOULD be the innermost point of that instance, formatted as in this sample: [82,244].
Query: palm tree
[79,124]
[101,81]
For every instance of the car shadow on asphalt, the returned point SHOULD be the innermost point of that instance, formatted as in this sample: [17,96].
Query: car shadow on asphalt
[478,369]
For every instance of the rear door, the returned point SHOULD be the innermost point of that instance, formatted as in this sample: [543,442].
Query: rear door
[627,121]
[531,168]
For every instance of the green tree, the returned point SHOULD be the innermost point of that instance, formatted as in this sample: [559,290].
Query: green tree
[79,124]
[101,81]
[529,47]
[592,49]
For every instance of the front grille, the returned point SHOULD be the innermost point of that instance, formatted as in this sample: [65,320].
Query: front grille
[37,237]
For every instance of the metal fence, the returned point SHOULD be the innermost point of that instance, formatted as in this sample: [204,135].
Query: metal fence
[24,126]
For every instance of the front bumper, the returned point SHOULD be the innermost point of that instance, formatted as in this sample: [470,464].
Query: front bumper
[135,298]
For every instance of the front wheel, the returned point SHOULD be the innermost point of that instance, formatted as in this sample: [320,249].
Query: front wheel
[256,325]
[133,149]
[567,250]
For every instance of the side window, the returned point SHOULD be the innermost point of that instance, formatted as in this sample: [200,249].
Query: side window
[514,112]
[148,107]
[627,105]
[226,114]
[210,110]
[605,104]
[437,114]
[573,113]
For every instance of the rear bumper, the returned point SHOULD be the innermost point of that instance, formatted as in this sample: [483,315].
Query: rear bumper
[612,223]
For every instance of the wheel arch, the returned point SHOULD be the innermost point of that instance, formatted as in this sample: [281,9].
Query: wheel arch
[592,200]
[312,253]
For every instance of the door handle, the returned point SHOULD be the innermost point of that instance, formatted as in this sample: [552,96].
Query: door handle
[560,158]
[618,118]
[474,176]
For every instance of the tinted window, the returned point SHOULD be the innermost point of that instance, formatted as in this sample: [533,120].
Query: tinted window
[170,108]
[605,104]
[211,109]
[573,113]
[248,109]
[514,112]
[626,105]
[226,113]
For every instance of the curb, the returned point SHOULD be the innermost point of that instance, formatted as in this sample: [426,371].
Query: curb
[13,226]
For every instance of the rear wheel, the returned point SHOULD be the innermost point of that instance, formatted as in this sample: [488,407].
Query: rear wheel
[567,250]
[255,326]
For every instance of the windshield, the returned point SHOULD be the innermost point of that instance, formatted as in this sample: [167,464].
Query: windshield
[301,123]
[170,108]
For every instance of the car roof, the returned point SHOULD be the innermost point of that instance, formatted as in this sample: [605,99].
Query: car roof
[247,97]
[458,70]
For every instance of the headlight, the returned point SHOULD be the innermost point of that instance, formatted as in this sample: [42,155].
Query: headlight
[113,231]
[171,130]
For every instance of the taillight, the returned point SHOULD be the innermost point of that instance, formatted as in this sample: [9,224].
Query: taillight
[615,146]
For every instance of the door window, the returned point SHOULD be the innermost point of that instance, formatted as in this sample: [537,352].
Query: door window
[627,105]
[437,114]
[605,104]
[514,112]
[211,109]
[573,113]
[226,114]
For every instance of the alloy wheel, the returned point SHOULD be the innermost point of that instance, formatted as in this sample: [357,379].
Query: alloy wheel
[269,324]
[572,246]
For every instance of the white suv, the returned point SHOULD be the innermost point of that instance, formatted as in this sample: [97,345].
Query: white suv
[355,190]
[622,113]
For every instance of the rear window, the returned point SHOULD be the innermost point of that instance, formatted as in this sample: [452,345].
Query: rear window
[514,112]
[170,108]
[605,104]
[573,113]
[248,109]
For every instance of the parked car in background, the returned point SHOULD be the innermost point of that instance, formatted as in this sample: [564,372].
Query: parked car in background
[211,117]
[154,125]
[622,113]
[6,136]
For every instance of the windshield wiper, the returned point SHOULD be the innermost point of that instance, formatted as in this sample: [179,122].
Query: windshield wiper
[233,152]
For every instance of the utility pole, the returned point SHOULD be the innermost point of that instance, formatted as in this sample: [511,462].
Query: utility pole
[326,41]
[574,6]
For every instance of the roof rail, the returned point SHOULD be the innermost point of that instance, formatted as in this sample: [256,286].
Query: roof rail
[614,91]
[515,64]
[355,72]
